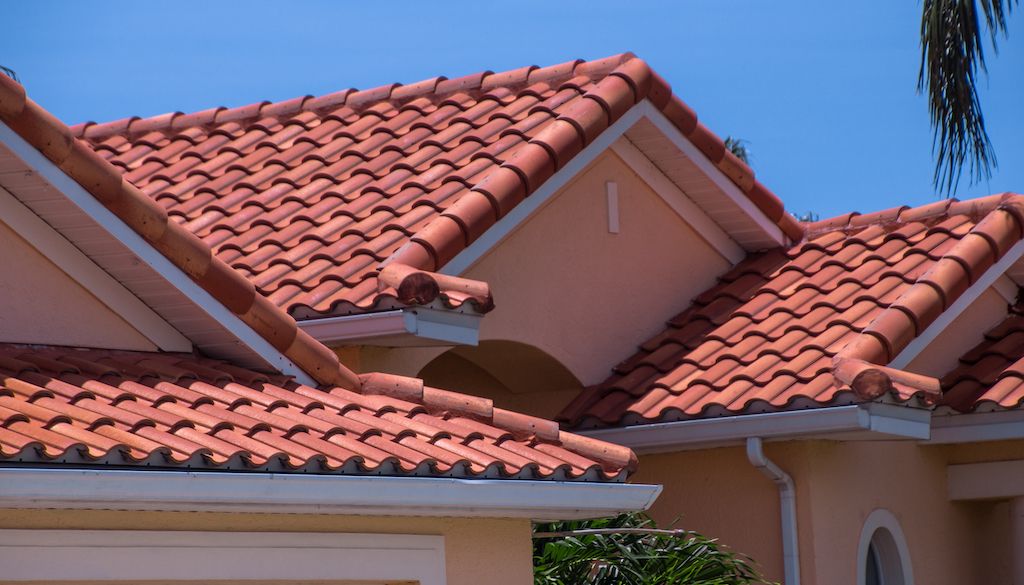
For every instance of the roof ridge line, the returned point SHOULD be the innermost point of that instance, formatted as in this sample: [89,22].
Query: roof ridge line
[183,248]
[976,207]
[629,83]
[859,363]
[439,86]
[415,390]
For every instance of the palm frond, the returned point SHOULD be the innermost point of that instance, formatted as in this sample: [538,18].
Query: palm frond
[738,146]
[952,54]
[630,550]
[9,72]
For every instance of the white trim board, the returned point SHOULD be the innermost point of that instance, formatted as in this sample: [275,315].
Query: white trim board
[721,181]
[110,489]
[988,279]
[995,480]
[143,555]
[119,230]
[874,421]
[685,208]
[412,327]
[85,272]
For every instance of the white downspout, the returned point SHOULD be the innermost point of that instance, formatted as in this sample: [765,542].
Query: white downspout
[787,495]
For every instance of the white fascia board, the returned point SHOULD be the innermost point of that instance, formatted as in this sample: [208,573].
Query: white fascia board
[407,327]
[95,210]
[33,488]
[80,268]
[684,207]
[869,420]
[711,171]
[988,279]
[977,427]
[994,480]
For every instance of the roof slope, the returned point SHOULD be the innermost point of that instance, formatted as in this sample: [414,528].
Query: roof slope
[991,375]
[150,409]
[103,181]
[158,410]
[309,196]
[814,324]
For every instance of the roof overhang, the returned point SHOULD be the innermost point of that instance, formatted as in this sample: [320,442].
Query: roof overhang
[1000,425]
[407,327]
[872,421]
[166,293]
[33,488]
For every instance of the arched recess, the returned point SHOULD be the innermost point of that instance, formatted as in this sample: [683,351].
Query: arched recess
[882,553]
[515,375]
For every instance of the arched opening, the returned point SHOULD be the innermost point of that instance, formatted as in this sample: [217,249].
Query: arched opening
[514,375]
[882,557]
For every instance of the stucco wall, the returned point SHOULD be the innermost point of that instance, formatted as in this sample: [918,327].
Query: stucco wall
[717,492]
[476,550]
[966,331]
[588,297]
[41,304]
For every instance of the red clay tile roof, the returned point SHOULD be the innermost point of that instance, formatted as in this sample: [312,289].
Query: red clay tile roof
[104,181]
[813,324]
[990,376]
[309,196]
[83,407]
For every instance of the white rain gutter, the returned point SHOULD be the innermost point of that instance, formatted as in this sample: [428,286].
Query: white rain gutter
[412,327]
[873,420]
[35,488]
[787,508]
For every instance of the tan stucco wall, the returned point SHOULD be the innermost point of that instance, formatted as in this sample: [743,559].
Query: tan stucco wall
[719,493]
[587,297]
[476,550]
[966,331]
[41,304]
[566,286]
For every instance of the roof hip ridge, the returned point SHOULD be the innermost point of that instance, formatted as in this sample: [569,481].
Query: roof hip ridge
[184,249]
[860,363]
[629,81]
[416,391]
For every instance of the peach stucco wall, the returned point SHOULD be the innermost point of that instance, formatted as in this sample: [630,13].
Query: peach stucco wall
[966,331]
[717,492]
[580,294]
[566,285]
[41,304]
[493,551]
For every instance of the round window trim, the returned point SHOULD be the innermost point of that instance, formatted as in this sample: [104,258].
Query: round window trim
[883,536]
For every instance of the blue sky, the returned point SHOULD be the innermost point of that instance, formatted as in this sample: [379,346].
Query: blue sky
[824,92]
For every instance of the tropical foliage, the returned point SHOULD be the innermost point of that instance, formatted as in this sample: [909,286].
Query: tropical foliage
[952,55]
[630,550]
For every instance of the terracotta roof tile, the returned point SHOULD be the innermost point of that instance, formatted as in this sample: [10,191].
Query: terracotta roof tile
[816,323]
[307,198]
[991,375]
[87,406]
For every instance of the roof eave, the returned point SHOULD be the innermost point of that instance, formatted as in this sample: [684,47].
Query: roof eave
[34,488]
[870,421]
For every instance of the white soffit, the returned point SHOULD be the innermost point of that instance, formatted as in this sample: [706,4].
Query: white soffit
[410,327]
[122,253]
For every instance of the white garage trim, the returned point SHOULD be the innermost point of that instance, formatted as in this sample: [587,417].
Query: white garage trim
[140,555]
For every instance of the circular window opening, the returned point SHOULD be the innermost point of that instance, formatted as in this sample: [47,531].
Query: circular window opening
[883,556]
